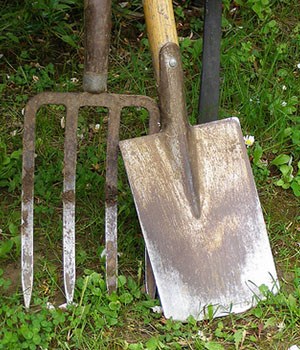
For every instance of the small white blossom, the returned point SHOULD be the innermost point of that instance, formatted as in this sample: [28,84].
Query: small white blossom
[65,306]
[50,306]
[103,254]
[96,127]
[123,4]
[74,80]
[249,140]
[35,78]
[281,325]
[202,336]
[157,309]
[284,87]
[62,122]
[283,104]
[13,133]
[298,65]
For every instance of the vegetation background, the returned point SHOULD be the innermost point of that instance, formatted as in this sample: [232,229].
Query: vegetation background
[41,49]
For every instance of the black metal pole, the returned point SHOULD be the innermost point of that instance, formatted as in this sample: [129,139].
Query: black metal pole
[210,75]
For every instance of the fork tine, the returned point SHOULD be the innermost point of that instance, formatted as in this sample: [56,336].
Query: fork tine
[111,194]
[70,156]
[27,203]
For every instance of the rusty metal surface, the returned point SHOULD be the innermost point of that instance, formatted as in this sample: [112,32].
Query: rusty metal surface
[198,208]
[97,15]
[73,101]
[111,197]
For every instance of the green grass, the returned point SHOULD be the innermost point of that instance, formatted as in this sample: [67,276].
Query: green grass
[41,49]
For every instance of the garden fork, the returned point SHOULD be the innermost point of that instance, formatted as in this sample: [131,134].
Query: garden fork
[97,22]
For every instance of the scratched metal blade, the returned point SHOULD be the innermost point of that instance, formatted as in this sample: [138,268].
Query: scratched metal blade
[27,252]
[27,203]
[111,195]
[69,202]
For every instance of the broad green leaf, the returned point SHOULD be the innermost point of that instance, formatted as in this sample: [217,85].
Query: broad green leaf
[286,171]
[296,137]
[114,305]
[13,229]
[281,159]
[279,183]
[296,188]
[5,247]
[213,346]
[121,280]
[126,298]
[16,154]
[257,154]
[292,302]
[154,343]
[69,40]
[238,337]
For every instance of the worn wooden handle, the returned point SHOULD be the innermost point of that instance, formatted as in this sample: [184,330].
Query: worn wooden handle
[161,27]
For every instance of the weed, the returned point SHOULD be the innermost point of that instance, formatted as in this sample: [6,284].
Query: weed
[287,179]
[10,176]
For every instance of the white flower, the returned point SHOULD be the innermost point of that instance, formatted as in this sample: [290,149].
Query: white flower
[294,347]
[74,80]
[65,306]
[123,4]
[249,140]
[62,122]
[281,325]
[50,306]
[96,127]
[157,309]
[284,87]
[14,133]
[298,65]
[35,78]
[103,254]
[283,104]
[202,336]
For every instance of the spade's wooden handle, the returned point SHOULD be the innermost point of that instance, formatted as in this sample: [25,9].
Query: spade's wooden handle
[161,27]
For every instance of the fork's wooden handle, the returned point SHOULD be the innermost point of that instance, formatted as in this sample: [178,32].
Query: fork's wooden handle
[161,27]
[97,15]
